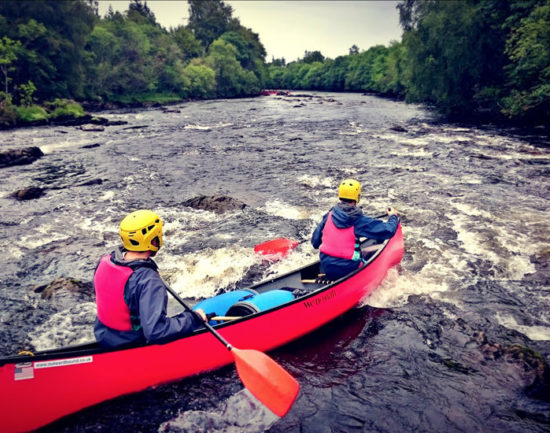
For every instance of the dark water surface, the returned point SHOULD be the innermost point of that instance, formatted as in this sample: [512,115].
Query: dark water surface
[457,339]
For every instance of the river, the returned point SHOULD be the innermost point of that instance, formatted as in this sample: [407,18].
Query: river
[457,338]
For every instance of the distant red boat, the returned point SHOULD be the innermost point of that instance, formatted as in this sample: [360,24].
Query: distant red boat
[275,92]
[41,388]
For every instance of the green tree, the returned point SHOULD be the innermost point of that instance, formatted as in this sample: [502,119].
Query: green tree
[190,47]
[138,11]
[250,51]
[313,56]
[353,50]
[52,36]
[231,79]
[103,62]
[455,51]
[209,19]
[8,55]
[360,70]
[528,47]
[202,81]
[26,92]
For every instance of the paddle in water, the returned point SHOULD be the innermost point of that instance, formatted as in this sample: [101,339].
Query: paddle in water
[261,375]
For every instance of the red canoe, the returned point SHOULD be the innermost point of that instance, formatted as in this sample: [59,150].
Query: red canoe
[38,389]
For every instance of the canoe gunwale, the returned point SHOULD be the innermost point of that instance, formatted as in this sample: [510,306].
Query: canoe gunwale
[91,348]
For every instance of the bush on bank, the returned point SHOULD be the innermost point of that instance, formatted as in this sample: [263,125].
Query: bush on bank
[25,115]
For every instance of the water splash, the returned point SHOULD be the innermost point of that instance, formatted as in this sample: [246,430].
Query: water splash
[66,328]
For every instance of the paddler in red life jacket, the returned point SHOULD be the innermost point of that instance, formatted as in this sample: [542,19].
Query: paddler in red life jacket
[338,233]
[130,294]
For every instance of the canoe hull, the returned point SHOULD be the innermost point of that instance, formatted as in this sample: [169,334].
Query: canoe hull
[38,390]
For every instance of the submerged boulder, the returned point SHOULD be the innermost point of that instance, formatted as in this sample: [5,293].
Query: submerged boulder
[215,203]
[27,155]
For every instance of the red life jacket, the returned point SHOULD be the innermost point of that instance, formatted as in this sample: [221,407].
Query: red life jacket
[109,283]
[339,242]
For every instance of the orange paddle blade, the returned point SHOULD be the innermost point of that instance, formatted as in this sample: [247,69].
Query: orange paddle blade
[276,247]
[266,380]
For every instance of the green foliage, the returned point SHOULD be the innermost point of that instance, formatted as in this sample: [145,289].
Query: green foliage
[528,47]
[31,113]
[479,56]
[64,108]
[202,81]
[130,57]
[464,57]
[26,92]
[313,56]
[190,47]
[139,12]
[52,36]
[210,19]
[379,69]
[8,116]
[8,55]
[149,97]
[232,80]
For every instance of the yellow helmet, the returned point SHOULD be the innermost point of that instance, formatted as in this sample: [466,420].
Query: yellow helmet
[141,231]
[350,189]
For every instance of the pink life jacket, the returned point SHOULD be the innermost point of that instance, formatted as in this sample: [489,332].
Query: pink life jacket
[109,283]
[339,242]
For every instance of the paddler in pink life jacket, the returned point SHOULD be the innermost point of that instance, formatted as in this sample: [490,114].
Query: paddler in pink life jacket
[131,297]
[338,233]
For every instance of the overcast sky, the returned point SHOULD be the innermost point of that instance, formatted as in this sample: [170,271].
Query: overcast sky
[289,28]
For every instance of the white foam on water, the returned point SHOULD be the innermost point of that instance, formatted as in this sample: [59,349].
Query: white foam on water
[413,142]
[179,224]
[240,413]
[508,249]
[452,139]
[59,145]
[302,255]
[420,153]
[314,181]
[40,236]
[470,179]
[538,333]
[471,210]
[201,274]
[398,285]
[355,129]
[107,196]
[69,327]
[199,127]
[285,210]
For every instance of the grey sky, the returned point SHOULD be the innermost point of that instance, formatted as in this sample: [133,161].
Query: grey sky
[289,28]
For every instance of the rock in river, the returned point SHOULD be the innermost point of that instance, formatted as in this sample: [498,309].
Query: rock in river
[26,155]
[215,203]
[29,193]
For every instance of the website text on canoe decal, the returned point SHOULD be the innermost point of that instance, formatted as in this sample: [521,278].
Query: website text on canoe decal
[314,302]
[63,362]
